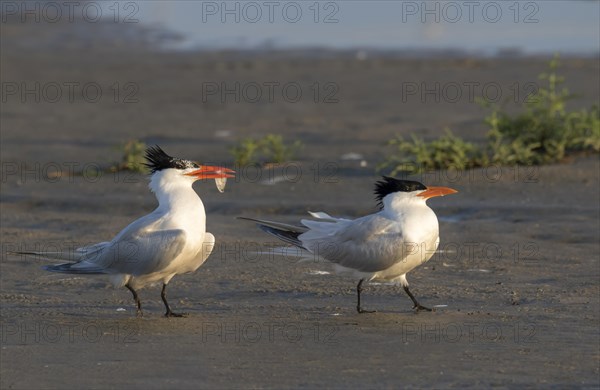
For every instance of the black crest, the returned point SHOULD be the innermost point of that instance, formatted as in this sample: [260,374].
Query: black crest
[389,185]
[159,160]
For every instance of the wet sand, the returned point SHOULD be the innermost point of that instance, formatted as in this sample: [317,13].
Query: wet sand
[516,282]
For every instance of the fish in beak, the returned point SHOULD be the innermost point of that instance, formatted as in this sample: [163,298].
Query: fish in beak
[220,175]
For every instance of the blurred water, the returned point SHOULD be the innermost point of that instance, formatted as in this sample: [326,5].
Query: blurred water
[484,27]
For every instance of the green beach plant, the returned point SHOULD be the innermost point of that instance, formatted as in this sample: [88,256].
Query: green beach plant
[270,149]
[448,151]
[132,156]
[543,132]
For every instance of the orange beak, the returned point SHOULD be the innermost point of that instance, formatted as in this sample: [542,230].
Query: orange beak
[432,192]
[211,172]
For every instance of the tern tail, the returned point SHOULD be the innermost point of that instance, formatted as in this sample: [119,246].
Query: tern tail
[71,268]
[283,231]
[65,268]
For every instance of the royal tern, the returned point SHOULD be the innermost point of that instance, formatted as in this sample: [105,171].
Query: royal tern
[382,246]
[169,241]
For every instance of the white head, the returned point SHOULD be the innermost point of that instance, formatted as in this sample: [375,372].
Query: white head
[168,171]
[392,193]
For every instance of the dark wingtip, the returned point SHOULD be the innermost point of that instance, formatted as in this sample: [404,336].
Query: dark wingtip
[284,235]
[57,268]
[66,268]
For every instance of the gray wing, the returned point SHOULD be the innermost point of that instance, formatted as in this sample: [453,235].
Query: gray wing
[368,244]
[136,254]
[138,249]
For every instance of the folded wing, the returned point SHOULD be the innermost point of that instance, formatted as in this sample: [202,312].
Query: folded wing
[135,254]
[368,244]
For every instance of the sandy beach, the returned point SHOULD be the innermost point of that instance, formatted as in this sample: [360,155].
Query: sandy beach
[515,282]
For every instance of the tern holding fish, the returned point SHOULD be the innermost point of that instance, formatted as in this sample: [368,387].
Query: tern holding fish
[171,240]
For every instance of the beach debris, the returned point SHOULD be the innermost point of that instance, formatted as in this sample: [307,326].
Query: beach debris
[352,156]
[318,272]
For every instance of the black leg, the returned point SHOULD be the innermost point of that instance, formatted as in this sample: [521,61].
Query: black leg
[417,306]
[139,312]
[358,291]
[169,313]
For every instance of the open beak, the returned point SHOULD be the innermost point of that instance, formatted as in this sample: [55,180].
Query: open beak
[211,172]
[432,192]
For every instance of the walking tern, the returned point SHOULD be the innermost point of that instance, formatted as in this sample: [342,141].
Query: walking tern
[171,240]
[382,246]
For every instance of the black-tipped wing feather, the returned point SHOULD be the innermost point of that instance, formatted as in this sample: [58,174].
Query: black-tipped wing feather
[283,231]
[67,268]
